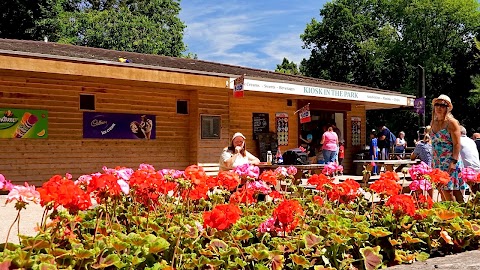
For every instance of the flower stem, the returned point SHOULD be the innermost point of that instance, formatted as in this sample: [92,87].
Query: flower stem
[11,226]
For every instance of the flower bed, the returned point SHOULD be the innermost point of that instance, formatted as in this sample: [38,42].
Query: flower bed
[167,219]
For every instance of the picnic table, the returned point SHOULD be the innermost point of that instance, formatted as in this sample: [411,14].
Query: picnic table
[395,165]
[315,168]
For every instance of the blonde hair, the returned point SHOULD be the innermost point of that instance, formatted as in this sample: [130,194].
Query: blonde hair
[426,138]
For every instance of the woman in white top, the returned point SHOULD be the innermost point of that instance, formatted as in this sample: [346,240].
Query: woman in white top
[400,144]
[236,154]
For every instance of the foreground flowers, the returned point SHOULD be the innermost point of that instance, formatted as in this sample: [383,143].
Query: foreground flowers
[170,219]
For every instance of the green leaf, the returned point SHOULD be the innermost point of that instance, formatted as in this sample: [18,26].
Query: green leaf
[158,245]
[110,260]
[83,254]
[422,256]
[299,260]
[230,252]
[218,243]
[379,232]
[243,235]
[312,240]
[277,262]
[372,257]
[44,266]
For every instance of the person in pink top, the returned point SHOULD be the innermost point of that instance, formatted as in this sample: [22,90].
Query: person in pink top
[330,144]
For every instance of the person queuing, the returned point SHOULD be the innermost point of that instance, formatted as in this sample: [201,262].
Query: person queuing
[373,150]
[476,138]
[445,135]
[329,145]
[423,150]
[236,154]
[400,145]
[469,154]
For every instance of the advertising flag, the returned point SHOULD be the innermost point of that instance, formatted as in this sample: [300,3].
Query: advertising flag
[305,116]
[238,86]
[419,105]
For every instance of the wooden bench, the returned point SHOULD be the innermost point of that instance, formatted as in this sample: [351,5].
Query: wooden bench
[211,169]
[395,165]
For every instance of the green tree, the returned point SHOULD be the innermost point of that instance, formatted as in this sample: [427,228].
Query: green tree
[379,43]
[18,17]
[287,67]
[144,26]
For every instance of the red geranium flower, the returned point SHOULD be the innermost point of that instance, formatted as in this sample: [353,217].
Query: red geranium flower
[222,216]
[318,199]
[63,192]
[196,174]
[197,193]
[243,195]
[386,186]
[439,177]
[402,205]
[228,180]
[287,214]
[321,181]
[269,177]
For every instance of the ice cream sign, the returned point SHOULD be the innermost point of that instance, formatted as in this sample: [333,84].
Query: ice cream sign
[23,123]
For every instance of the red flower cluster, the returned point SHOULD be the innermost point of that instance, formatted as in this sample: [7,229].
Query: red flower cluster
[287,214]
[63,192]
[269,177]
[344,192]
[322,182]
[243,195]
[439,177]
[147,186]
[318,199]
[228,180]
[424,201]
[222,216]
[387,184]
[196,174]
[104,186]
[402,205]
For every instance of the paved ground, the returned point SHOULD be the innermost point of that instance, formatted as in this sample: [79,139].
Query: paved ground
[33,214]
[28,219]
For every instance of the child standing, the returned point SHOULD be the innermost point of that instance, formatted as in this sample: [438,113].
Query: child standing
[341,153]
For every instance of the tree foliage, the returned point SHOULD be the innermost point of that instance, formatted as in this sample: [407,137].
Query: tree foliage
[287,67]
[144,26]
[18,17]
[380,43]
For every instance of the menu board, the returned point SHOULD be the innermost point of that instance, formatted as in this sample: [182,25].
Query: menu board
[356,130]
[267,142]
[260,124]
[281,123]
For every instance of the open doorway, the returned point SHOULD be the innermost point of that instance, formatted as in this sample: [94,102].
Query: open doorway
[311,133]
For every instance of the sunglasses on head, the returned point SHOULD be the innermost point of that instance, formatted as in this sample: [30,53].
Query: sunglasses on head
[441,105]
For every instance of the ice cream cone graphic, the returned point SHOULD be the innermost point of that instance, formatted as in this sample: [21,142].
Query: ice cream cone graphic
[27,122]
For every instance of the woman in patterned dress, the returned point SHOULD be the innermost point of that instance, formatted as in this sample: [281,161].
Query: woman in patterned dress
[445,136]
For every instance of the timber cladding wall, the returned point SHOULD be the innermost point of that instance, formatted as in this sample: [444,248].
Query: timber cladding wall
[350,150]
[36,160]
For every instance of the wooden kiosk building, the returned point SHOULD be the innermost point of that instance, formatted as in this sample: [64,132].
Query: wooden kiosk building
[190,103]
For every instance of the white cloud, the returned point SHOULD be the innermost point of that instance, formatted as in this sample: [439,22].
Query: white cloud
[256,35]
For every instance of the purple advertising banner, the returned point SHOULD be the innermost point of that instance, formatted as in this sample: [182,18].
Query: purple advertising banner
[98,125]
[419,105]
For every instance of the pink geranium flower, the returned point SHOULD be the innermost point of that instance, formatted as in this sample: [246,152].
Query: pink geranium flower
[24,194]
[418,171]
[171,173]
[259,187]
[468,175]
[5,184]
[281,171]
[247,170]
[292,170]
[332,168]
[146,167]
[267,226]
[422,184]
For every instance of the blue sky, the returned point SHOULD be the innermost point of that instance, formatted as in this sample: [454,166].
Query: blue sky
[255,34]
